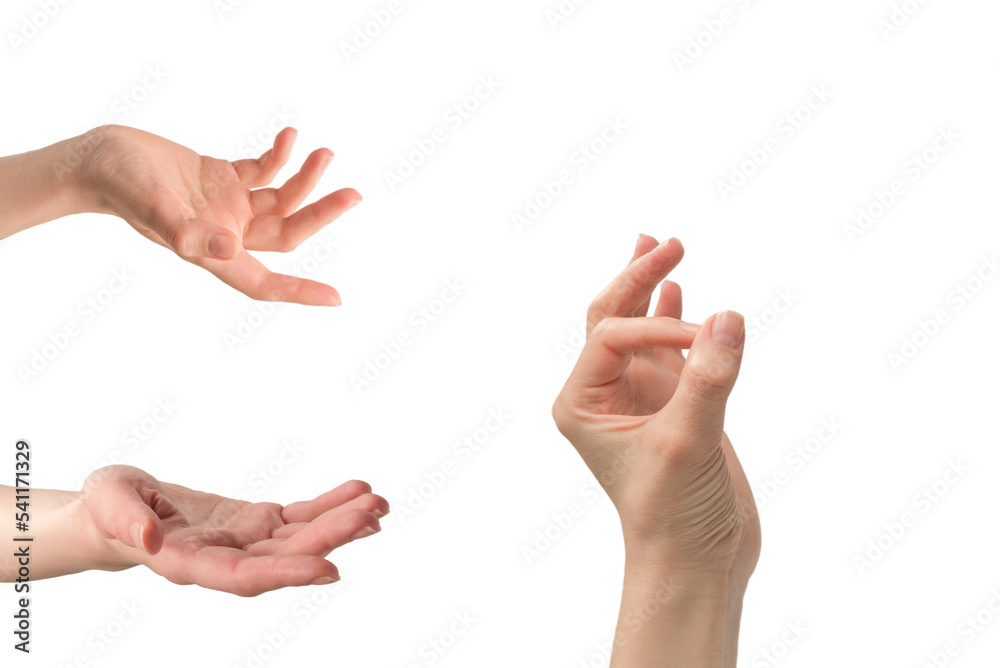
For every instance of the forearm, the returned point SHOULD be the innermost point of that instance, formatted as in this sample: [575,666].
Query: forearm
[64,539]
[42,185]
[669,619]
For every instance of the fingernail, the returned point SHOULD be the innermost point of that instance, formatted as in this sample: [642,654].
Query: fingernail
[136,531]
[363,532]
[689,327]
[378,513]
[221,246]
[327,580]
[354,203]
[334,300]
[728,329]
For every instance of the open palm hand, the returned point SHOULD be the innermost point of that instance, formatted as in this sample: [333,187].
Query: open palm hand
[192,537]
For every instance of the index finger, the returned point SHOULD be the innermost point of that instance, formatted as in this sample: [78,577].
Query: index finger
[607,353]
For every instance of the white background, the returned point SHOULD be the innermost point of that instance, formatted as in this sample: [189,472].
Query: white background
[227,79]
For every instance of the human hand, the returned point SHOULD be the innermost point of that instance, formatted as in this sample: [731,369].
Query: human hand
[244,548]
[211,212]
[649,423]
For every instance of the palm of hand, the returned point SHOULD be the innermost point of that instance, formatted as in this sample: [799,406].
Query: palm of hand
[192,537]
[180,180]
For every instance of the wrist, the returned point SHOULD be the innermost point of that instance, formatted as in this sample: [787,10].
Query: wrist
[72,164]
[672,617]
[656,557]
[64,538]
[95,550]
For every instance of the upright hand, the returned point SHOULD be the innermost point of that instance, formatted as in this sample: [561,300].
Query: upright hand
[648,422]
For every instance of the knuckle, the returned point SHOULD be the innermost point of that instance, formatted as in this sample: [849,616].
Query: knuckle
[599,308]
[184,242]
[639,279]
[595,314]
[709,379]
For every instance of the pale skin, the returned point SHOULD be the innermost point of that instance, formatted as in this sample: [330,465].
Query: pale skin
[648,422]
[124,517]
[209,211]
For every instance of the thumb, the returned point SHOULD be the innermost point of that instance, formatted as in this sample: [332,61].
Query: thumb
[188,236]
[697,410]
[194,237]
[121,512]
